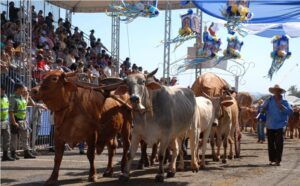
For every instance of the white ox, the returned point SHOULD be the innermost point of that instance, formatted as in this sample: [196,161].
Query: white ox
[226,112]
[160,114]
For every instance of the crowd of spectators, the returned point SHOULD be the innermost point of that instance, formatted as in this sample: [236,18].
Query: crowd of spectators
[55,46]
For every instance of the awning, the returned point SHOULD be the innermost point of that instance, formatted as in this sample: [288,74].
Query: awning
[101,6]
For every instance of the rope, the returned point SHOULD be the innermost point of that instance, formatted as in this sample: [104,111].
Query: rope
[128,40]
[288,73]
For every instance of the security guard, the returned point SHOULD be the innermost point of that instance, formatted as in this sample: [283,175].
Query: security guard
[19,126]
[5,129]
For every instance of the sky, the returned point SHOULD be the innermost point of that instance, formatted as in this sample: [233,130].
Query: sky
[141,41]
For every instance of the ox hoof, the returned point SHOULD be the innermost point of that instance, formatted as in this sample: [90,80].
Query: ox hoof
[123,178]
[152,162]
[92,179]
[107,174]
[146,163]
[230,157]
[51,182]
[224,161]
[237,156]
[216,159]
[180,169]
[140,166]
[159,178]
[202,166]
[170,174]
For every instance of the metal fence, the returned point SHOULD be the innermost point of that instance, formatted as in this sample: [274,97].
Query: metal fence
[41,135]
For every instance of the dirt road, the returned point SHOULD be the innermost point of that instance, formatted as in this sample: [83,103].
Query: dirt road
[251,169]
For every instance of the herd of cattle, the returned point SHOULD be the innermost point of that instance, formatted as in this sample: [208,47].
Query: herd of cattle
[145,112]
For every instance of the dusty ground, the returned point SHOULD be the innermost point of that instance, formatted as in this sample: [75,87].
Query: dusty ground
[251,169]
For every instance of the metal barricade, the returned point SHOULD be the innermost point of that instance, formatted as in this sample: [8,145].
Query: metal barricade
[41,129]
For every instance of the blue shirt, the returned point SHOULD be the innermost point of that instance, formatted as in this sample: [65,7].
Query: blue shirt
[276,118]
[262,116]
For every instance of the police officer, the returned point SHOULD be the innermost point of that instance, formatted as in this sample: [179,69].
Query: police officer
[19,126]
[5,129]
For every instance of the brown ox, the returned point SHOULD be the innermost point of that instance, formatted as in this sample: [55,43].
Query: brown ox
[77,114]
[210,85]
[294,123]
[248,116]
[247,112]
[116,118]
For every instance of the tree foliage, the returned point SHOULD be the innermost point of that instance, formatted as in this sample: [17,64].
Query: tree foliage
[293,91]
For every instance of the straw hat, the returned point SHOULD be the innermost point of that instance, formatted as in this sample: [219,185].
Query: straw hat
[275,89]
[260,101]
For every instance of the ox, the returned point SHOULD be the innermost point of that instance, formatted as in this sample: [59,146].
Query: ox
[77,114]
[160,114]
[204,118]
[294,123]
[226,117]
[247,112]
[115,118]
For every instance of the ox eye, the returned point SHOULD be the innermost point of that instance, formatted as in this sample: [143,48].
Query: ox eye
[141,82]
[54,79]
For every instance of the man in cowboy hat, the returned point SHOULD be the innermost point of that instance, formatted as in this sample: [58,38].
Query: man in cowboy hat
[277,112]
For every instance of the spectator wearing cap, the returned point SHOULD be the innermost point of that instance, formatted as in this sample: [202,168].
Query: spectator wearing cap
[76,34]
[92,38]
[277,111]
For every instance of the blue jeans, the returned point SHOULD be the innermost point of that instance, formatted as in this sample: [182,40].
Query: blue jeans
[260,130]
[81,146]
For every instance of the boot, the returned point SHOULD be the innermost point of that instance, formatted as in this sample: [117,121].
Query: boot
[6,157]
[28,155]
[14,155]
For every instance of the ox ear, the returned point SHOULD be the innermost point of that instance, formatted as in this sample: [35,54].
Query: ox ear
[153,85]
[69,86]
[227,101]
[121,90]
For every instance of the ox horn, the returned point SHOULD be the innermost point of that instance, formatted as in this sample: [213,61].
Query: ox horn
[109,81]
[152,73]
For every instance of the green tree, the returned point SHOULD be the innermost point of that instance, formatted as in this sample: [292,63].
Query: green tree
[293,91]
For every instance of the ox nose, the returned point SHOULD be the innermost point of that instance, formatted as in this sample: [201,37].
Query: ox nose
[34,91]
[134,99]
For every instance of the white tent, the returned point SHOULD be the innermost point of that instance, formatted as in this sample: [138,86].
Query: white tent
[102,5]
